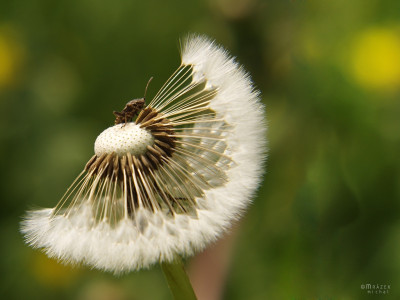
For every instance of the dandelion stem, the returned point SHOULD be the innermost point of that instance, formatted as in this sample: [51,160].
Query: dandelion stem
[178,280]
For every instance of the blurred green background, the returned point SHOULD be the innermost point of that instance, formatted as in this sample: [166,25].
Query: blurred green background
[326,219]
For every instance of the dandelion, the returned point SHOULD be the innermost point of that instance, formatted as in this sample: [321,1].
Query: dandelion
[171,181]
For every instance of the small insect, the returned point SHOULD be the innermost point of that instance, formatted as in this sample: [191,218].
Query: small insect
[131,109]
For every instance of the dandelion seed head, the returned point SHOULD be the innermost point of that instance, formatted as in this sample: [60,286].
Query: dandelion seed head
[171,181]
[122,139]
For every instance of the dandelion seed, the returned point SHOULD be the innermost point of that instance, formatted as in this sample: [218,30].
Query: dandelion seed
[170,182]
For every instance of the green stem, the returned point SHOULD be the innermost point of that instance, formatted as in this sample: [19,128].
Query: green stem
[178,280]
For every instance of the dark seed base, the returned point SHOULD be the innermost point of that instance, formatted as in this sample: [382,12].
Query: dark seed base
[127,169]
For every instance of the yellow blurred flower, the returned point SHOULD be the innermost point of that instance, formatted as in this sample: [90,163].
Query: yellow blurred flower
[375,58]
[11,57]
[50,273]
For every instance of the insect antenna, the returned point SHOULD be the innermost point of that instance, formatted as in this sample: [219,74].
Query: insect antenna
[145,91]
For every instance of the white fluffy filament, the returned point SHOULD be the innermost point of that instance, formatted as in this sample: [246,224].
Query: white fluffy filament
[126,212]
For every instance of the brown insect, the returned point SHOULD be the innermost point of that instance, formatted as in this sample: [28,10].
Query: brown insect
[131,109]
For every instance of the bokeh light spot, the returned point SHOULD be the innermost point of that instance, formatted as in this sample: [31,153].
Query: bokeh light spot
[11,56]
[51,273]
[375,60]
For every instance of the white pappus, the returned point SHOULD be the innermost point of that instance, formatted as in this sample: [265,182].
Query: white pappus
[171,181]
